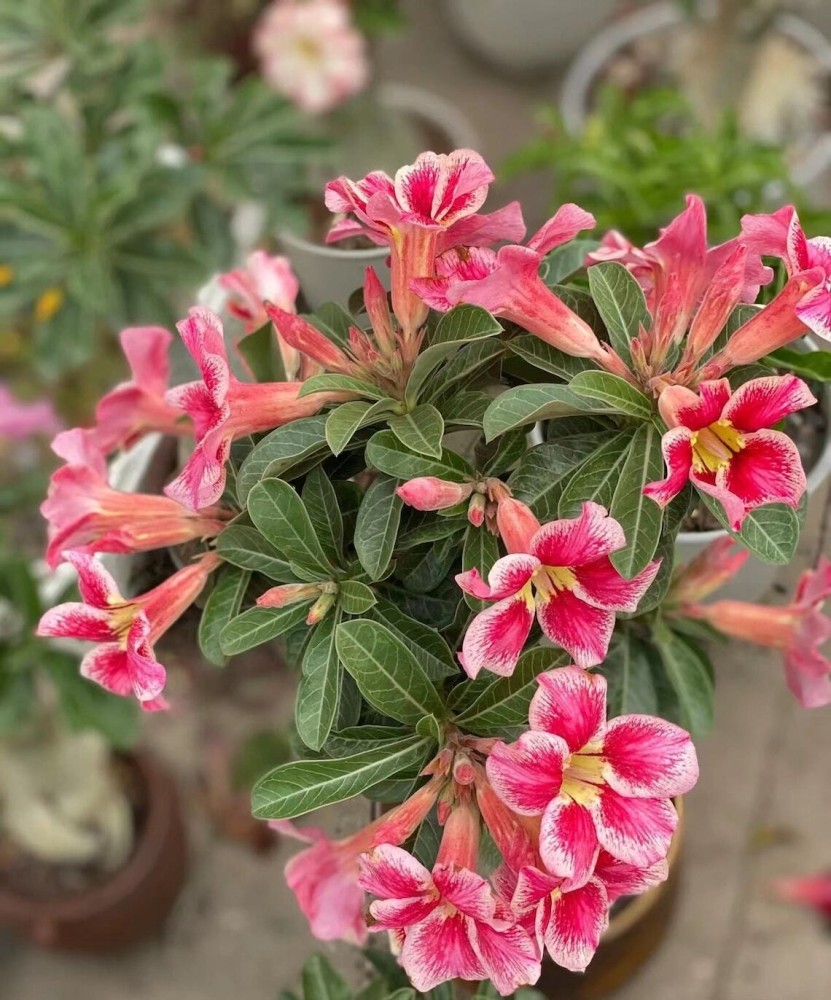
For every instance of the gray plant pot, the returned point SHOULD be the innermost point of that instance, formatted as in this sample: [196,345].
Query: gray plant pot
[331,273]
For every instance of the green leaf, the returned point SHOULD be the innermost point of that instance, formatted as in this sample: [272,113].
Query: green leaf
[812,365]
[321,503]
[597,477]
[340,383]
[355,597]
[620,302]
[377,526]
[321,982]
[565,260]
[261,351]
[421,430]
[548,358]
[319,690]
[222,605]
[541,476]
[243,546]
[278,513]
[427,840]
[616,393]
[280,451]
[628,674]
[466,408]
[258,625]
[505,453]
[357,739]
[387,454]
[503,705]
[387,673]
[480,552]
[688,674]
[527,404]
[640,517]
[771,532]
[425,643]
[459,369]
[299,787]
[343,422]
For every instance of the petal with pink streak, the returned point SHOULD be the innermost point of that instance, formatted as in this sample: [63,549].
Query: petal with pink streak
[201,482]
[647,757]
[638,831]
[505,225]
[815,311]
[676,445]
[195,399]
[569,703]
[579,540]
[495,638]
[439,949]
[393,914]
[508,575]
[509,957]
[108,666]
[147,674]
[713,396]
[532,886]
[767,235]
[600,584]
[77,621]
[735,509]
[466,890]
[202,334]
[767,470]
[583,631]
[567,222]
[578,919]
[763,402]
[568,841]
[528,774]
[622,879]
[96,585]
[393,873]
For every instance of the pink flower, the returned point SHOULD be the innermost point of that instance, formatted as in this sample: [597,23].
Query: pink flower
[86,514]
[799,629]
[577,589]
[137,407]
[123,660]
[449,922]
[813,891]
[508,284]
[324,877]
[708,571]
[223,409]
[720,442]
[19,421]
[311,52]
[596,784]
[430,207]
[430,493]
[781,235]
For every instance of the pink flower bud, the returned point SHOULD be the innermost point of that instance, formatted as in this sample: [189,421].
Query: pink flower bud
[517,524]
[430,493]
[288,593]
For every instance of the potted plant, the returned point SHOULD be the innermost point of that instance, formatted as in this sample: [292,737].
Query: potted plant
[491,640]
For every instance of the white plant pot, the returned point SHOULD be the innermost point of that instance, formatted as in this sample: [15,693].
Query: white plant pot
[525,36]
[578,85]
[332,273]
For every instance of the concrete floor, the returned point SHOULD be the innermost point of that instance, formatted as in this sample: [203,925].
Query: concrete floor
[762,808]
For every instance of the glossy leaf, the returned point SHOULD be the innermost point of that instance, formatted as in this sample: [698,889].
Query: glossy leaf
[316,706]
[640,517]
[278,513]
[387,454]
[280,451]
[421,430]
[243,546]
[528,404]
[356,598]
[614,392]
[321,503]
[258,625]
[597,478]
[222,605]
[377,526]
[620,302]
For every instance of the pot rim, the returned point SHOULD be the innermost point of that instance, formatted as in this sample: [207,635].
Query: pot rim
[592,57]
[419,101]
[151,838]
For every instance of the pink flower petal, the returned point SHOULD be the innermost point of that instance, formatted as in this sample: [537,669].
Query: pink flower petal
[638,831]
[647,757]
[146,349]
[108,665]
[393,914]
[767,470]
[678,455]
[763,402]
[528,774]
[582,630]
[393,873]
[622,879]
[578,919]
[696,412]
[568,221]
[577,541]
[532,886]
[96,585]
[482,230]
[495,638]
[568,841]
[509,957]
[468,892]
[571,704]
[735,509]
[508,576]
[600,584]
[439,949]
[77,621]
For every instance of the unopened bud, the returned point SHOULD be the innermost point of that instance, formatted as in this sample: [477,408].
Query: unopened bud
[430,493]
[289,593]
[476,510]
[320,609]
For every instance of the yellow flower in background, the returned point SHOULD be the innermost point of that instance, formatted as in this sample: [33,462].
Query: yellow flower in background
[48,304]
[6,275]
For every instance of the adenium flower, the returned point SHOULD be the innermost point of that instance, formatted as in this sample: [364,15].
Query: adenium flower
[563,571]
[430,207]
[720,441]
[595,784]
[324,877]
[800,629]
[508,284]
[19,421]
[431,493]
[138,406]
[708,571]
[449,923]
[123,660]
[311,52]
[86,514]
[223,409]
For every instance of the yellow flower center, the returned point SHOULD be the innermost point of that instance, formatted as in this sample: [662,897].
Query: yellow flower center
[550,579]
[583,776]
[121,618]
[714,446]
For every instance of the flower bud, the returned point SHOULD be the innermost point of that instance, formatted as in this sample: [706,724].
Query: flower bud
[430,493]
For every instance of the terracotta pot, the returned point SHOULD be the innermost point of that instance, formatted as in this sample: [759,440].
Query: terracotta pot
[135,902]
[634,934]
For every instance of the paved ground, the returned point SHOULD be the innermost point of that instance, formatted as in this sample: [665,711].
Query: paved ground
[762,808]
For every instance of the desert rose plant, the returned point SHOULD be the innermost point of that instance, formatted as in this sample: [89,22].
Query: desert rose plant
[458,506]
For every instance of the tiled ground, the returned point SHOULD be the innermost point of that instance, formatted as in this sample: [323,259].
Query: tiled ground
[762,807]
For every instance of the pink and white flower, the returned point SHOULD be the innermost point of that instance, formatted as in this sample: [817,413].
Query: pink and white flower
[86,514]
[19,421]
[123,661]
[800,630]
[595,784]
[563,572]
[324,877]
[222,409]
[720,441]
[138,406]
[449,922]
[311,52]
[430,207]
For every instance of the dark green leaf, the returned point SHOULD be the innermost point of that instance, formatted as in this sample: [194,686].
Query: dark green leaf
[321,982]
[548,358]
[387,454]
[222,605]
[355,597]
[319,689]
[562,262]
[620,302]
[812,365]
[280,451]
[262,354]
[615,393]
[541,476]
[628,674]
[639,516]
[421,430]
[243,546]
[258,625]
[687,671]
[425,643]
[596,478]
[322,506]
[278,513]
[480,552]
[340,383]
[527,404]
[377,526]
